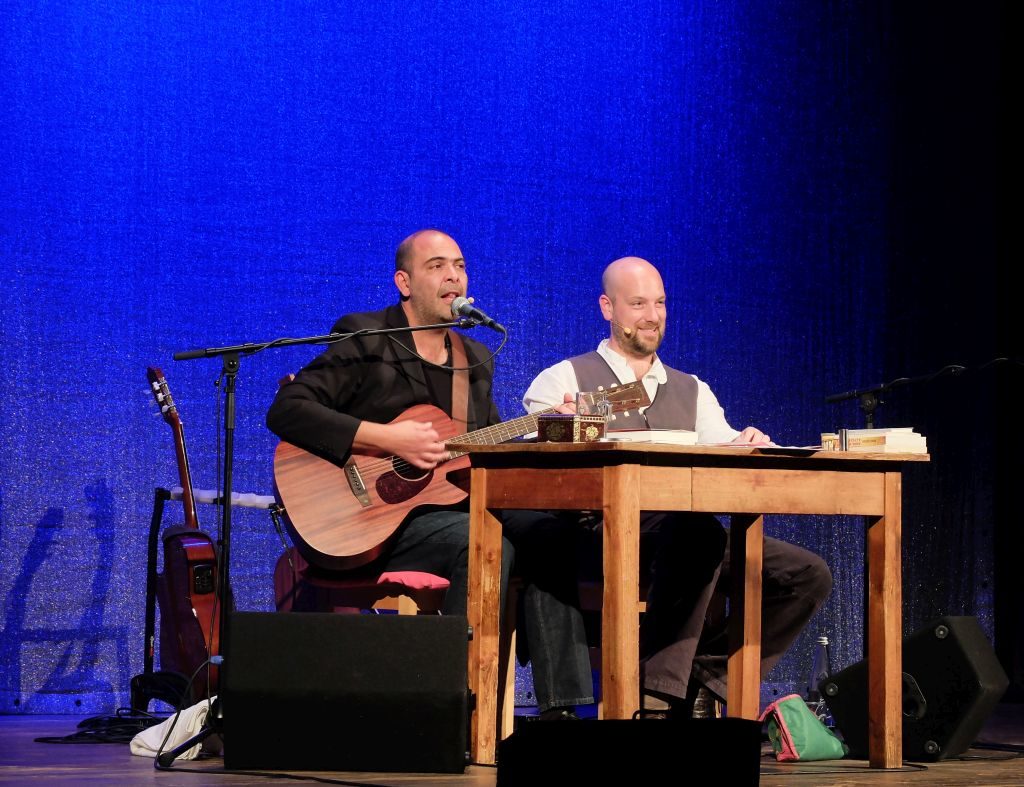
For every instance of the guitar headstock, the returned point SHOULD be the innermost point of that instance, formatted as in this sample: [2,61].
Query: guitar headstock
[162,393]
[628,396]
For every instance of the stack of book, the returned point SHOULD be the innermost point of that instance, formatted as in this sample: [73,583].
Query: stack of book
[672,436]
[897,440]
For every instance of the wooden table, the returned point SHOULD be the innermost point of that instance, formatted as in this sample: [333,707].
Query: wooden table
[623,480]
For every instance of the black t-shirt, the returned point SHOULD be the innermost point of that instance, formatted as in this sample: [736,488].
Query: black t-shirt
[439,383]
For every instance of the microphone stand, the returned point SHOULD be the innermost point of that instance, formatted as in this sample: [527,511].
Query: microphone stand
[868,400]
[230,366]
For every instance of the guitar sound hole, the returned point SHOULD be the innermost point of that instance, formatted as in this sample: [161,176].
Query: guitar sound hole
[395,488]
[408,472]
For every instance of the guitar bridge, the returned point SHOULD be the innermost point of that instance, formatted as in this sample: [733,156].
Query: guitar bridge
[355,482]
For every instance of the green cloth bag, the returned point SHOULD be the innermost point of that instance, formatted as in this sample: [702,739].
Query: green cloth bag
[797,734]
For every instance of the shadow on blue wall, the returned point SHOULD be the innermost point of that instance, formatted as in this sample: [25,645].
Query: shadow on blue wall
[77,651]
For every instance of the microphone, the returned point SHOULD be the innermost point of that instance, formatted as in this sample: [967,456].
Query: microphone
[625,328]
[842,397]
[461,307]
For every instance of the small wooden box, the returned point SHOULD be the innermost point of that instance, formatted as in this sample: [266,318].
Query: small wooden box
[569,428]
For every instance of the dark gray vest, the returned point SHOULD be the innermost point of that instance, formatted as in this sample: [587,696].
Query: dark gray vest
[674,407]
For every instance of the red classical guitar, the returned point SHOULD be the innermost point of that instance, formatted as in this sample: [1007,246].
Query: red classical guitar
[187,589]
[342,517]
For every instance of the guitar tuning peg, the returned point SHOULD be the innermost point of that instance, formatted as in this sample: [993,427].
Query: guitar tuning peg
[600,387]
[615,385]
[625,414]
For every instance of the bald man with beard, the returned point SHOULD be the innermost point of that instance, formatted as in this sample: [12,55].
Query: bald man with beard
[683,554]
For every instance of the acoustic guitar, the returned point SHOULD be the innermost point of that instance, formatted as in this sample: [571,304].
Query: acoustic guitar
[187,590]
[342,517]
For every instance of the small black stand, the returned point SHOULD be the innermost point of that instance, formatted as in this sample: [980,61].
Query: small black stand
[170,687]
[231,362]
[868,403]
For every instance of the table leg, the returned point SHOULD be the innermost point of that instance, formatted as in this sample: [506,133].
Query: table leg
[885,635]
[746,547]
[483,612]
[620,616]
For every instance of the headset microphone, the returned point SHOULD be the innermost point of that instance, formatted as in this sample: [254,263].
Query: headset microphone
[625,328]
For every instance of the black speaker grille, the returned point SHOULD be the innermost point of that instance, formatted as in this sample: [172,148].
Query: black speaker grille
[951,683]
[313,691]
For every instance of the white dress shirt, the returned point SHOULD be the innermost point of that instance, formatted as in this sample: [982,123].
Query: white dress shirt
[548,389]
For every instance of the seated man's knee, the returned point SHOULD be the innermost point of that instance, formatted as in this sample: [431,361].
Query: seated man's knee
[808,576]
[819,576]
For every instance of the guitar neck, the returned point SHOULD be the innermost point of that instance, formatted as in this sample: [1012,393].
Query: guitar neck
[162,393]
[499,433]
[185,477]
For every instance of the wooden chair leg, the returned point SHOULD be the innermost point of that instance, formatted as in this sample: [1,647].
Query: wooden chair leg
[507,667]
[407,606]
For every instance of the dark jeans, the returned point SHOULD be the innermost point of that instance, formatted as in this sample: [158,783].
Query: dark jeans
[541,550]
[685,558]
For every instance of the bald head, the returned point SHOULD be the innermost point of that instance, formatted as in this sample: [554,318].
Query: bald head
[633,302]
[407,248]
[626,271]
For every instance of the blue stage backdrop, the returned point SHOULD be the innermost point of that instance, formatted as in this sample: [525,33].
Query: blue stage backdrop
[183,175]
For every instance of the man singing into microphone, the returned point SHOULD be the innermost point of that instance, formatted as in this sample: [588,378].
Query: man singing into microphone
[347,401]
[685,554]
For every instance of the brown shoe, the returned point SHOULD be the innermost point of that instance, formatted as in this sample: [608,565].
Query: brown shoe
[654,706]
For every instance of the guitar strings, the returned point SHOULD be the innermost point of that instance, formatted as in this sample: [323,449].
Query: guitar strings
[505,429]
[480,437]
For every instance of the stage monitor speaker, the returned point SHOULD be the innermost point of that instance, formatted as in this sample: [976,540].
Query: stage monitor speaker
[332,692]
[632,751]
[951,683]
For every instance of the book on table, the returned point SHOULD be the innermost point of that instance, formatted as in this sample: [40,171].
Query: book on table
[669,436]
[896,440]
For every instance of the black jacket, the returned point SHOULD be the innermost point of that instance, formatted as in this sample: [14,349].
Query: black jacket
[367,378]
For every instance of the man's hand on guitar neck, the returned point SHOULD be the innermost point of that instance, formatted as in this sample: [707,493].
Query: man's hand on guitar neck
[415,441]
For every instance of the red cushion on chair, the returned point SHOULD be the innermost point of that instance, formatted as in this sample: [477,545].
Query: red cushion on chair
[295,578]
[415,580]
